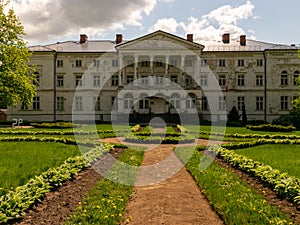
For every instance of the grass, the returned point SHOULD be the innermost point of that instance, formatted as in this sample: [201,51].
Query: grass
[20,161]
[233,200]
[106,203]
[285,158]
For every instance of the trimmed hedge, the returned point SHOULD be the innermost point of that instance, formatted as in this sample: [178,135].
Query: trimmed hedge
[285,185]
[57,125]
[272,128]
[14,203]
[156,139]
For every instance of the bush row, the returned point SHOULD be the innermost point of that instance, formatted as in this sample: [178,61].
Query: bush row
[57,125]
[286,186]
[52,132]
[264,136]
[158,139]
[271,127]
[14,203]
[240,145]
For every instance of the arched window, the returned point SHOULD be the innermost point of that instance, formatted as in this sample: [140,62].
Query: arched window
[190,102]
[128,101]
[284,78]
[144,101]
[175,101]
[296,75]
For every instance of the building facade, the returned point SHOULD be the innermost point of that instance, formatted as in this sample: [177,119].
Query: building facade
[161,74]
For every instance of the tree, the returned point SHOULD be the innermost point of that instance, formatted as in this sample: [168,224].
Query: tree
[244,115]
[16,77]
[233,114]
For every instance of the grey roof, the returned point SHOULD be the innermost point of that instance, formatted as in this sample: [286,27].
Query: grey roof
[73,46]
[251,45]
[109,46]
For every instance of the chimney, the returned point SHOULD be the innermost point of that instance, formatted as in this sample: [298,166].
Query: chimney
[83,38]
[119,38]
[243,40]
[189,37]
[226,38]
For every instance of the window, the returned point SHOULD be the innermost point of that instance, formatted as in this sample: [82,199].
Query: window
[144,103]
[129,79]
[60,103]
[284,78]
[24,107]
[78,80]
[222,103]
[115,80]
[96,103]
[204,103]
[115,62]
[175,101]
[159,79]
[114,103]
[284,102]
[296,75]
[259,103]
[78,63]
[188,81]
[259,62]
[96,63]
[188,63]
[60,81]
[144,81]
[203,80]
[259,80]
[241,80]
[145,64]
[37,79]
[78,103]
[240,102]
[36,103]
[173,62]
[159,63]
[190,102]
[128,101]
[96,80]
[130,62]
[222,80]
[203,62]
[59,63]
[174,79]
[241,62]
[222,62]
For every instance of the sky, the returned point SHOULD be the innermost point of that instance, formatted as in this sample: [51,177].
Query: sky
[50,21]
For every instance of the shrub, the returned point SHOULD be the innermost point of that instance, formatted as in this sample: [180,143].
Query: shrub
[272,128]
[58,125]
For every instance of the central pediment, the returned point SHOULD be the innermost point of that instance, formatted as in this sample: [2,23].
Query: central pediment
[159,40]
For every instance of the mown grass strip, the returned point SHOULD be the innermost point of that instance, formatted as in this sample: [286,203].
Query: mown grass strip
[232,199]
[106,203]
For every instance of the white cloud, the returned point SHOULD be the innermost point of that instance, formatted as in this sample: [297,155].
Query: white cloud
[47,19]
[212,25]
[167,24]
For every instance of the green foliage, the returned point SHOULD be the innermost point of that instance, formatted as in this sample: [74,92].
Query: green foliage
[19,164]
[16,77]
[106,203]
[284,157]
[233,200]
[285,185]
[233,114]
[271,127]
[293,118]
[135,128]
[57,125]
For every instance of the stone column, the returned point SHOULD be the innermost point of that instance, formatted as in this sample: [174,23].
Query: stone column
[136,64]
[182,70]
[121,80]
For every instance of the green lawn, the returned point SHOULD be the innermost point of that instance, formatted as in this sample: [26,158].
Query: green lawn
[286,158]
[233,199]
[20,161]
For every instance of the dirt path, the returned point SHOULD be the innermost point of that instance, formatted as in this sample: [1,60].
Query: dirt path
[176,200]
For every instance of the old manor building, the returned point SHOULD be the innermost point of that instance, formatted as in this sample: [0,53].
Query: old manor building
[161,74]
